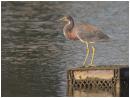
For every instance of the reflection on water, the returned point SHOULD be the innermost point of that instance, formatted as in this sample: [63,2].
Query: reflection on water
[93,93]
[98,92]
[35,54]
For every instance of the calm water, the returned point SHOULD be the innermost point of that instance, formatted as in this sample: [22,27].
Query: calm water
[35,54]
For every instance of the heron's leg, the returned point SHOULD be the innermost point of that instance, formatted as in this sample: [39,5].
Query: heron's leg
[93,54]
[87,53]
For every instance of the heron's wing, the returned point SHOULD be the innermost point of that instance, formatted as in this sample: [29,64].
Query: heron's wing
[89,33]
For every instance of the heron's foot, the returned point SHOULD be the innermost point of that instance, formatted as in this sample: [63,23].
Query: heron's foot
[92,65]
[85,66]
[89,65]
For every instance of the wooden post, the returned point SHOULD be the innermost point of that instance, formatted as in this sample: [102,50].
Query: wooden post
[102,77]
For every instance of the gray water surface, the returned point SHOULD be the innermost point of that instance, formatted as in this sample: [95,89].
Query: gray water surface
[35,53]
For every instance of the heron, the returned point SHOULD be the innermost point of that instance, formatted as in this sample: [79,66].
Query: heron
[87,33]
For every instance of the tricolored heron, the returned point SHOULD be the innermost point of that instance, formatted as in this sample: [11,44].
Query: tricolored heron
[86,33]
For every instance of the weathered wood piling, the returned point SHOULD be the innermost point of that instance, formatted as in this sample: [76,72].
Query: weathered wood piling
[114,78]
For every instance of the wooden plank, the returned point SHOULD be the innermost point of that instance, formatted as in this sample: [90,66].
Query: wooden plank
[100,74]
[111,77]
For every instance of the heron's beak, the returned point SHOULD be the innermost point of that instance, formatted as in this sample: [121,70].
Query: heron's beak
[63,19]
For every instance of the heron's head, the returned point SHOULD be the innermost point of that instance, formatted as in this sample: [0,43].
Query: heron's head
[66,18]
[69,23]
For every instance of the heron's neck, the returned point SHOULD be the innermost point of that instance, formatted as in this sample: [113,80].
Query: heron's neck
[69,26]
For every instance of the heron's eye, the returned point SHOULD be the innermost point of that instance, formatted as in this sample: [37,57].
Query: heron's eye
[65,18]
